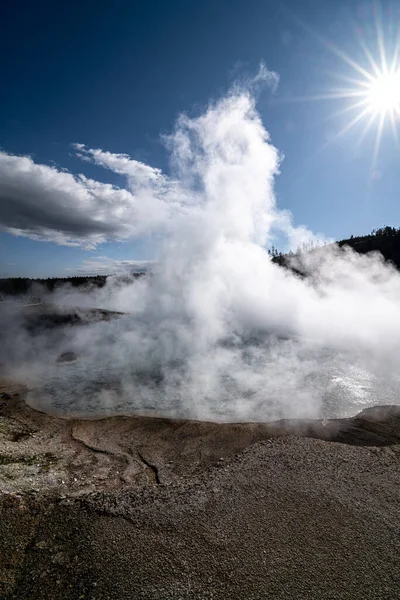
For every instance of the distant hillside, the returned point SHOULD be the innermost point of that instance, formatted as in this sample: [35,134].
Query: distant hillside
[24,286]
[385,240]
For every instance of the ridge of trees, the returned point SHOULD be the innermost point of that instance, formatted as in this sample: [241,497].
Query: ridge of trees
[385,240]
[25,286]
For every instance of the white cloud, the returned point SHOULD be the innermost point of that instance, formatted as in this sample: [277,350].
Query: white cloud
[265,76]
[141,176]
[104,265]
[223,155]
[47,204]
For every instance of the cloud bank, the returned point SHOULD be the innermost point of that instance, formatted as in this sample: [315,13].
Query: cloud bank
[47,204]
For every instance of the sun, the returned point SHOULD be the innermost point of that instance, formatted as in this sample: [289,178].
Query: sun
[367,94]
[373,98]
[383,94]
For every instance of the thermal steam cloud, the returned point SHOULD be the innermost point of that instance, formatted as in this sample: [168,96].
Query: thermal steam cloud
[47,203]
[219,331]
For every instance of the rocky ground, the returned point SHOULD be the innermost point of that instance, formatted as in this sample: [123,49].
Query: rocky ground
[139,507]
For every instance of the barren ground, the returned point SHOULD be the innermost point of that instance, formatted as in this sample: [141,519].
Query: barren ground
[139,507]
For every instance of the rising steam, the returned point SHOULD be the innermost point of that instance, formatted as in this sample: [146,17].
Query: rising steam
[219,331]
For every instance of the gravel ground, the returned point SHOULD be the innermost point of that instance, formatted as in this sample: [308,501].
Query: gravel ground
[287,518]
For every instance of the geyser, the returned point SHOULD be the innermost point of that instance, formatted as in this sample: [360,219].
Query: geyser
[218,331]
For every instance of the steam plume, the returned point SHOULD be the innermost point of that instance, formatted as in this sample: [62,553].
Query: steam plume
[219,331]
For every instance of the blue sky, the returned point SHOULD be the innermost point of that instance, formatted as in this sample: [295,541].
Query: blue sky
[116,75]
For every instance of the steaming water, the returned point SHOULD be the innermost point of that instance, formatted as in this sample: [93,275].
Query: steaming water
[327,386]
[218,332]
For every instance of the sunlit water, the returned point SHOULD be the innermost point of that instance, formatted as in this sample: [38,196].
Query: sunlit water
[324,386]
[258,380]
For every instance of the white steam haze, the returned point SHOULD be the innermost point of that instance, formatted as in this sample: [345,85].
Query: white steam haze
[218,331]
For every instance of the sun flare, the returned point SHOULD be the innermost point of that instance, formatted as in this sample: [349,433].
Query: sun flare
[373,98]
[368,92]
[383,94]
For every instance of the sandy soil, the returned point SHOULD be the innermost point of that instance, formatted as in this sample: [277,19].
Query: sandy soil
[130,508]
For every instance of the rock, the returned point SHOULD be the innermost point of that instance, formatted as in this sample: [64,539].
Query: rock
[67,357]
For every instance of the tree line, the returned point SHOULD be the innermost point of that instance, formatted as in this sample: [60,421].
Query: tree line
[385,240]
[26,286]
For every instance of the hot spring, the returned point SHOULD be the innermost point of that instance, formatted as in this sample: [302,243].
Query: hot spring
[217,331]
